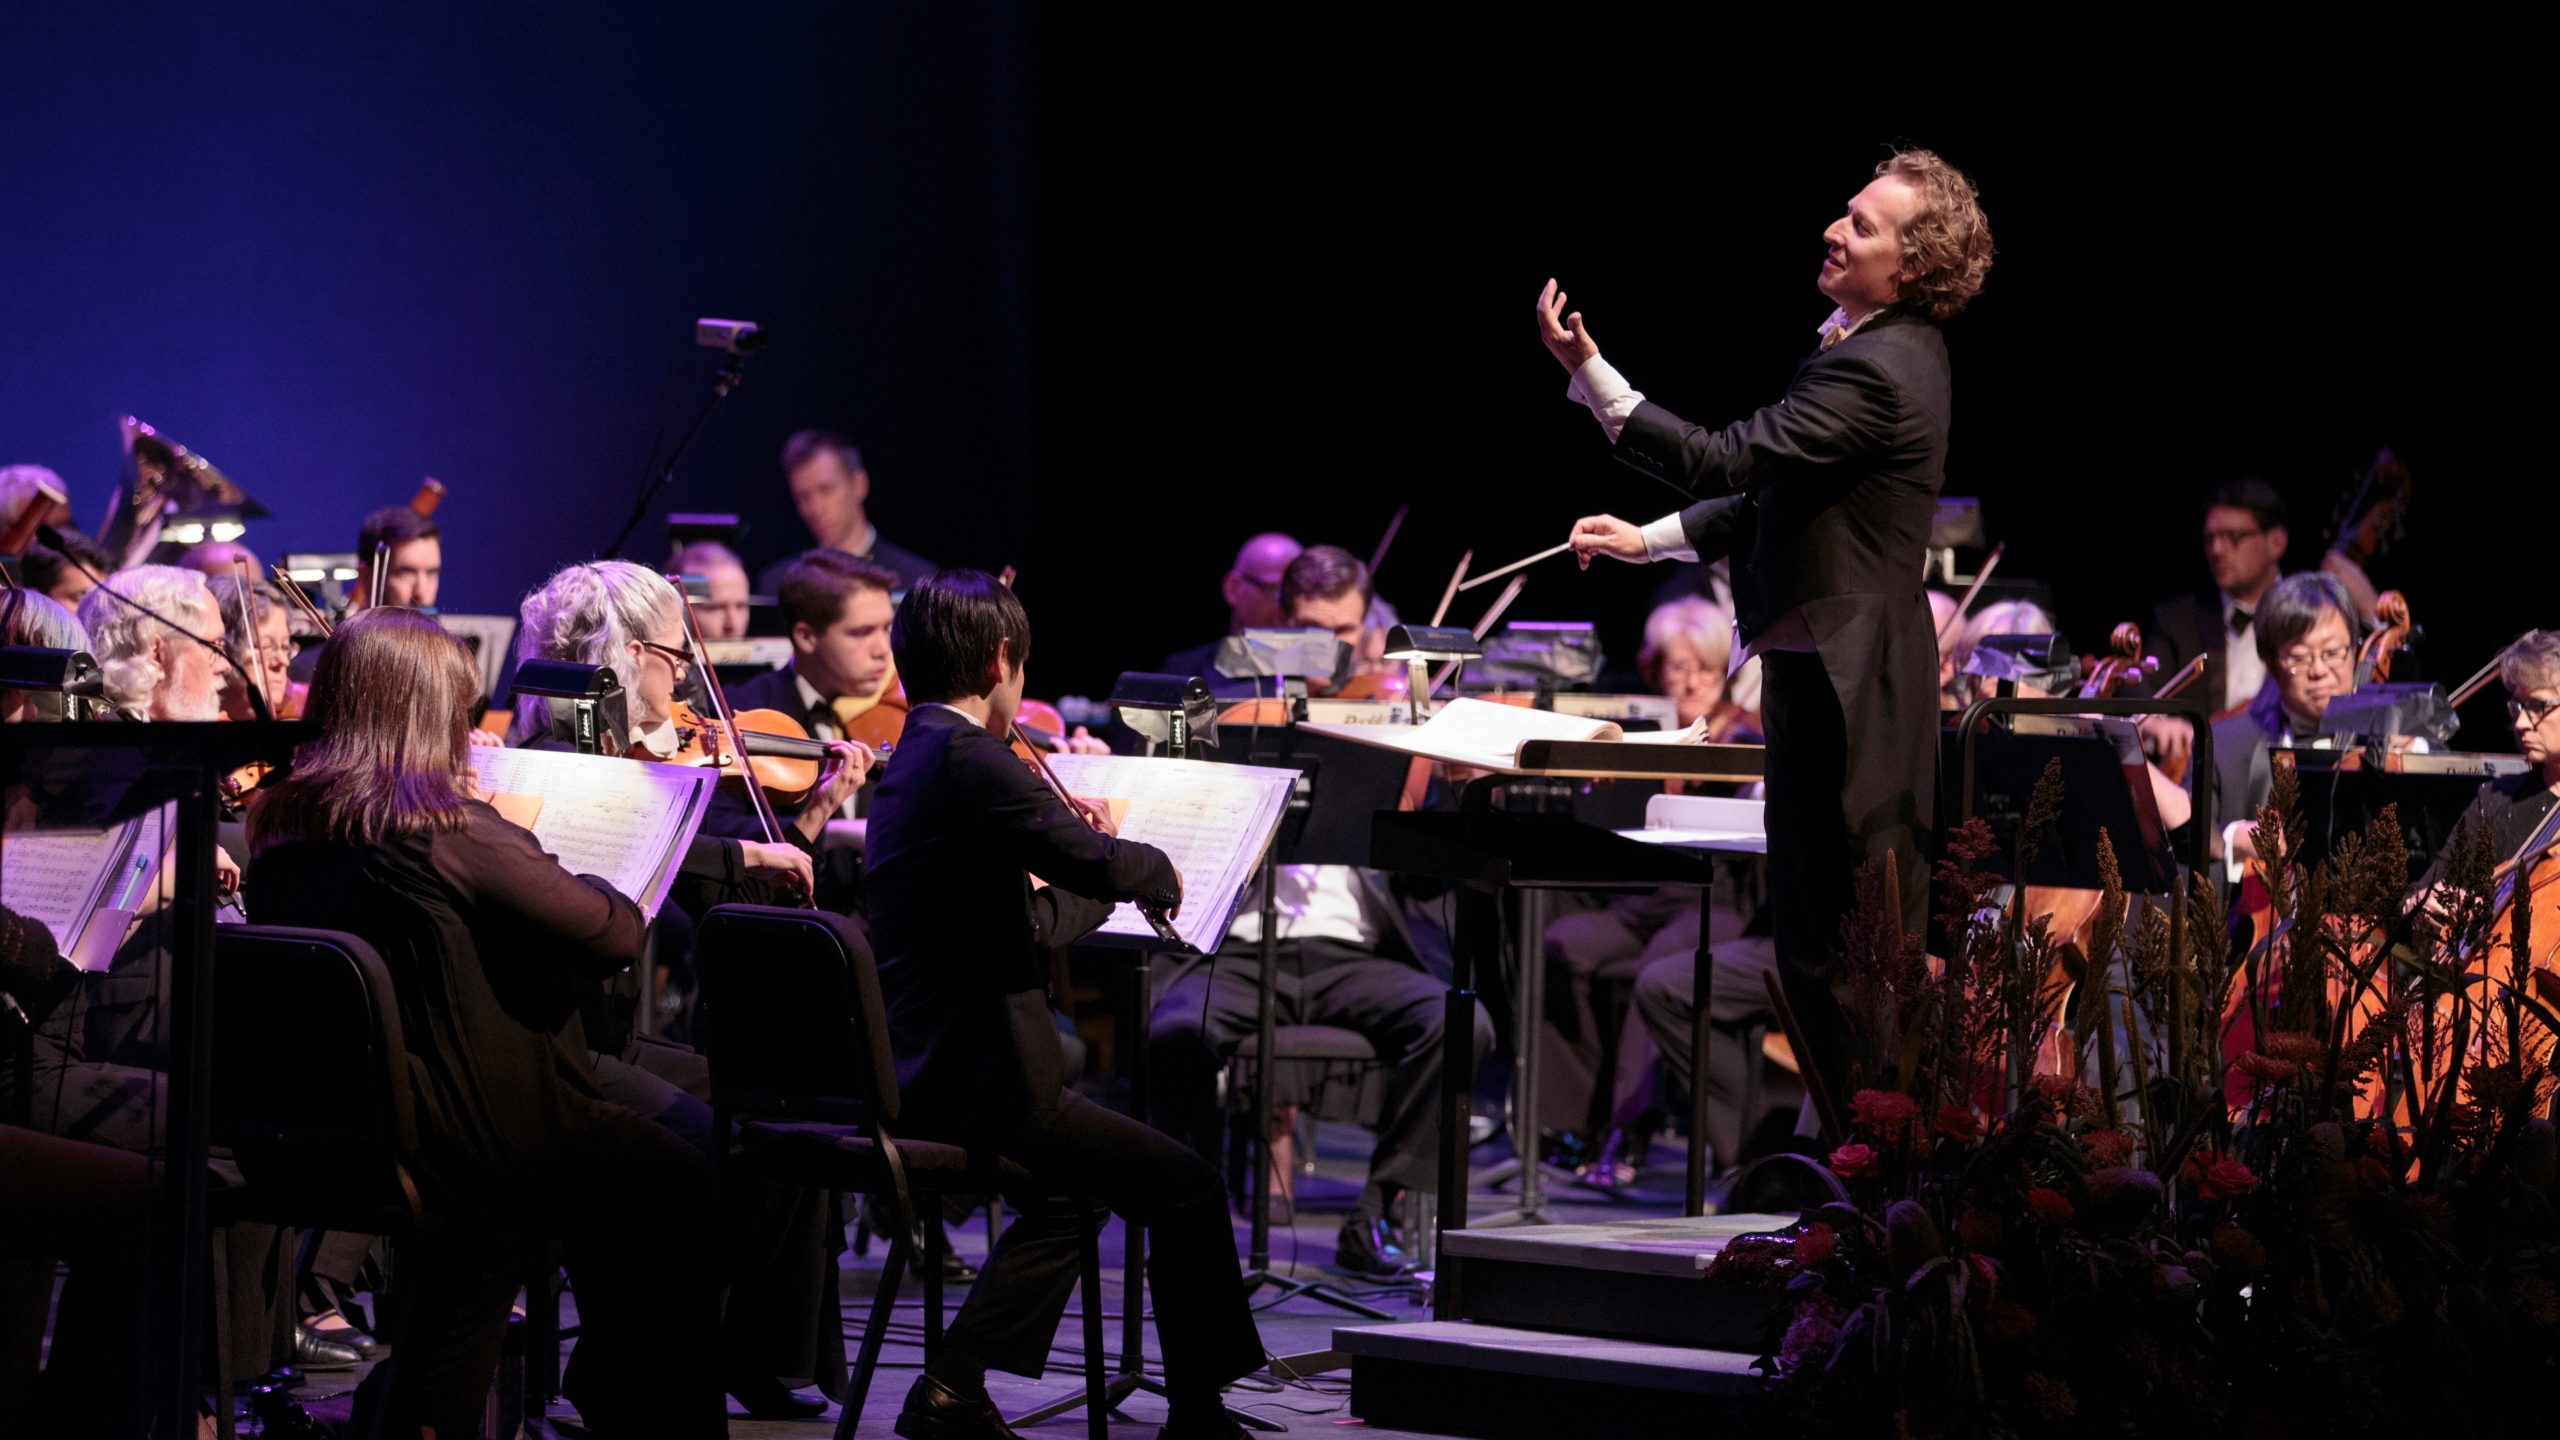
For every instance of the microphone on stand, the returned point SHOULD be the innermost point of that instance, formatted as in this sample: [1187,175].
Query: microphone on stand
[52,540]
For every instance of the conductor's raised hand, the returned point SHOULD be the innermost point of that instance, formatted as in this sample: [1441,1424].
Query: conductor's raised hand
[1563,334]
[1606,535]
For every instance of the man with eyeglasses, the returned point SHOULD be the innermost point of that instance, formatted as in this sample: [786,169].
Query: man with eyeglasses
[2306,631]
[1252,592]
[2511,807]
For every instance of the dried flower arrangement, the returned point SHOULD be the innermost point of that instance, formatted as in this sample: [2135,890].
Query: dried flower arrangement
[2298,1182]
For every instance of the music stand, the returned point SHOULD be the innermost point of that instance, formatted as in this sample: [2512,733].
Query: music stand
[1326,824]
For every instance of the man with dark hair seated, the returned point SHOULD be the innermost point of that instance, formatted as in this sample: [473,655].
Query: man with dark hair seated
[831,489]
[960,830]
[1251,589]
[1346,957]
[412,547]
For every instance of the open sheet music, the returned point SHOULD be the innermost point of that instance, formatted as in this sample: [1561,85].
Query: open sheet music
[626,822]
[83,885]
[1213,819]
[1488,735]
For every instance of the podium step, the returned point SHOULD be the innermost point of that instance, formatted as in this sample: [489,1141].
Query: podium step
[1639,1280]
[1449,1377]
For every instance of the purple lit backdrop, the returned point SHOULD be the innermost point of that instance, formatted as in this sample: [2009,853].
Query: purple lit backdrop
[1100,294]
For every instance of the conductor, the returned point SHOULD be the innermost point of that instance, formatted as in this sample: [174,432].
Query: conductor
[1824,500]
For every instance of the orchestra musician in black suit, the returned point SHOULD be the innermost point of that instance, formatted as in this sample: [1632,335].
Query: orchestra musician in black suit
[959,829]
[1824,501]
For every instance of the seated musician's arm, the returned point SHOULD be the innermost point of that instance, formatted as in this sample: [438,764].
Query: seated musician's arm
[1037,830]
[597,930]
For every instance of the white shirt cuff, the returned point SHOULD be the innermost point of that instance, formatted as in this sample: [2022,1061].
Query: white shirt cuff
[1665,540]
[2232,864]
[1611,399]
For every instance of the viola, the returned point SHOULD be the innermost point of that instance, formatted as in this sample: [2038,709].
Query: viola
[780,754]
[2373,658]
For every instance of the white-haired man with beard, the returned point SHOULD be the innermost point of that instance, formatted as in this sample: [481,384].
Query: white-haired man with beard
[148,670]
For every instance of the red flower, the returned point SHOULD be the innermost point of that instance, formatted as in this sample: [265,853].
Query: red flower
[2067,1095]
[2372,1172]
[2108,1147]
[1958,1123]
[2267,1069]
[1815,1244]
[2242,1251]
[1884,1112]
[2228,1180]
[2052,1207]
[1855,1162]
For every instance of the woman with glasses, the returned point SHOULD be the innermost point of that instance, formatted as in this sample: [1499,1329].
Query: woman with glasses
[2511,807]
[2307,634]
[629,619]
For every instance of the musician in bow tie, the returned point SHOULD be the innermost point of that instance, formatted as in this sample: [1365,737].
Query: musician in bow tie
[839,612]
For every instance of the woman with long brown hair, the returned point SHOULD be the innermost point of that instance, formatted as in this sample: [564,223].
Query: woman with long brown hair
[381,832]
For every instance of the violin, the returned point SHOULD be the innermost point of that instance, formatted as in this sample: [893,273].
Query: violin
[2123,664]
[783,759]
[883,719]
[2373,658]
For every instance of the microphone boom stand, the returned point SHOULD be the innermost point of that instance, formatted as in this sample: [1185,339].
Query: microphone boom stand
[721,384]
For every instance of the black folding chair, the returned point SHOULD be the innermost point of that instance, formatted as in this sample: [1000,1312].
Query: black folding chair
[288,1004]
[801,1066]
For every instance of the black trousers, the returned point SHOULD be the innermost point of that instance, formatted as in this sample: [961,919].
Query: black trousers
[638,1213]
[1843,788]
[1208,1010]
[1078,1148]
[125,1107]
[781,1316]
[84,1203]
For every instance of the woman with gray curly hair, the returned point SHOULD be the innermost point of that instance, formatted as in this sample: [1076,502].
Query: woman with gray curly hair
[2512,807]
[158,637]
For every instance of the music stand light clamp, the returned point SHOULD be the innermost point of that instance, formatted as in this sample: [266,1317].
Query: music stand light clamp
[1290,656]
[68,678]
[588,698]
[1174,711]
[1422,646]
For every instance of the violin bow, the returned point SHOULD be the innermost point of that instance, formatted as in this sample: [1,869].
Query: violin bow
[249,622]
[1378,556]
[1972,592]
[293,592]
[725,720]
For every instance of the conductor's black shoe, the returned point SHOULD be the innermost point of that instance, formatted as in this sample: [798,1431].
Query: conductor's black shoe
[935,1411]
[766,1398]
[1367,1248]
[314,1351]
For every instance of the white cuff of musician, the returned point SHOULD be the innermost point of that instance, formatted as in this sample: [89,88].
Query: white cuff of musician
[1665,540]
[2232,864]
[1599,385]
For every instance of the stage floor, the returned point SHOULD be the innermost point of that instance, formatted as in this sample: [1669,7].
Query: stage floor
[1317,1405]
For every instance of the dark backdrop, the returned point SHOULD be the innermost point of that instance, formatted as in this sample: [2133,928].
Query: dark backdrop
[1102,293]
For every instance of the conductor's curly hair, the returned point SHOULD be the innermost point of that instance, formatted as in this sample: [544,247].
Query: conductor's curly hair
[1947,245]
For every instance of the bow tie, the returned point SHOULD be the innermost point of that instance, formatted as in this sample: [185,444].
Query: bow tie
[2239,621]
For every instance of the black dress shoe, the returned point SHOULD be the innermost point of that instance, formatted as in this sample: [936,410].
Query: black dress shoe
[876,1221]
[314,1351]
[1368,1249]
[935,1411]
[766,1398]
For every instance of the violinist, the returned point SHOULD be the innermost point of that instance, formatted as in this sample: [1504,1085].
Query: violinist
[2306,635]
[721,614]
[258,637]
[1347,956]
[2511,807]
[837,608]
[958,831]
[148,671]
[64,577]
[381,831]
[1251,588]
[29,617]
[412,564]
[629,619]
[2244,547]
